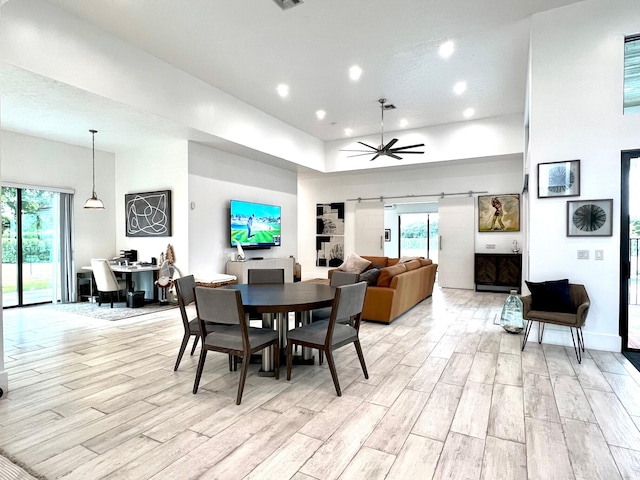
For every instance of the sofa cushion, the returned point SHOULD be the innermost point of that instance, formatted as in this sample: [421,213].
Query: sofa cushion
[387,273]
[370,276]
[377,261]
[425,261]
[551,296]
[392,261]
[412,265]
[355,264]
[407,259]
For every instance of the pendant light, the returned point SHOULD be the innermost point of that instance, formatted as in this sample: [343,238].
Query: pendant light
[94,202]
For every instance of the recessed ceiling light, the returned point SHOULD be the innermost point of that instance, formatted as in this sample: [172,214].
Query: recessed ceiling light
[403,123]
[355,72]
[460,87]
[283,90]
[469,112]
[446,49]
[348,131]
[321,114]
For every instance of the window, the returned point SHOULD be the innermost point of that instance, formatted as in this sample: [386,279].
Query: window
[632,74]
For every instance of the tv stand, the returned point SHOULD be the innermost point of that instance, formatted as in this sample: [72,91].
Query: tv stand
[239,269]
[256,258]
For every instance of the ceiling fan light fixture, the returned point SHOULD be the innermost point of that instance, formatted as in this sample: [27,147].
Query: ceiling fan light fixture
[93,203]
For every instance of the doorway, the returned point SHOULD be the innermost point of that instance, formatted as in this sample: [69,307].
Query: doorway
[30,246]
[629,250]
[418,235]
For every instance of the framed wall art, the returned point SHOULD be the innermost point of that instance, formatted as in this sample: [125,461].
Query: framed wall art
[559,179]
[148,214]
[590,218]
[329,234]
[499,213]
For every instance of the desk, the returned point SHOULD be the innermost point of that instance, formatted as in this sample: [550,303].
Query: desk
[130,270]
[281,299]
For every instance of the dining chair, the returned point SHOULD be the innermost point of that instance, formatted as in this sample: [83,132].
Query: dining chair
[231,334]
[329,335]
[186,296]
[106,281]
[337,279]
[265,275]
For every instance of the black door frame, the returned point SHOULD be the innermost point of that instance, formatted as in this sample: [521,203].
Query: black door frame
[625,267]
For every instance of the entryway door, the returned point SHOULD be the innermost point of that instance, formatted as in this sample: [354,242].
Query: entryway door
[629,251]
[457,242]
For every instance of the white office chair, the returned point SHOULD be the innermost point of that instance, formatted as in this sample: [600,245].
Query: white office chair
[106,281]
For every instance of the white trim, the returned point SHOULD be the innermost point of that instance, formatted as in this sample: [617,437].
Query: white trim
[39,187]
[554,335]
[4,384]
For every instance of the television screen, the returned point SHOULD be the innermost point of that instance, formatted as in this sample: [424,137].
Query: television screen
[254,225]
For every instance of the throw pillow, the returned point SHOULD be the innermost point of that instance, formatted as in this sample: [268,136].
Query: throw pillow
[355,264]
[407,259]
[551,296]
[425,261]
[387,274]
[412,265]
[370,276]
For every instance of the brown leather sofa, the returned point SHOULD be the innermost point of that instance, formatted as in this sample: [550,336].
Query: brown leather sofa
[400,286]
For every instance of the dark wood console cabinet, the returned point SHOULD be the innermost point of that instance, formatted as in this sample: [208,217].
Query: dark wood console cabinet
[498,272]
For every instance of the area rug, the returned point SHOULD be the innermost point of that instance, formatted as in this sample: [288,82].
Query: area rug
[105,312]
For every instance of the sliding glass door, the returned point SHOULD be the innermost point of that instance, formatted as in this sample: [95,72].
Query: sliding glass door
[30,246]
[419,235]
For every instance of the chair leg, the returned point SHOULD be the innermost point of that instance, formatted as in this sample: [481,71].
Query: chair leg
[320,357]
[195,344]
[111,298]
[231,357]
[580,347]
[540,331]
[361,358]
[527,329]
[276,356]
[243,377]
[203,357]
[183,347]
[334,373]
[289,358]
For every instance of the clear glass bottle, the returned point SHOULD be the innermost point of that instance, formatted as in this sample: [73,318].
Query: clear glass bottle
[511,317]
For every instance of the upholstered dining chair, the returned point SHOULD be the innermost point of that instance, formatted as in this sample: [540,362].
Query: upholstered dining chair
[185,291]
[265,275]
[337,279]
[572,312]
[106,281]
[329,335]
[234,336]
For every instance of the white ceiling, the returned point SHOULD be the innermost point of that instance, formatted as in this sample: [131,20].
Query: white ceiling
[248,47]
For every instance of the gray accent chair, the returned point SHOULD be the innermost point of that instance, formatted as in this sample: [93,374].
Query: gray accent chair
[577,320]
[106,281]
[329,335]
[231,334]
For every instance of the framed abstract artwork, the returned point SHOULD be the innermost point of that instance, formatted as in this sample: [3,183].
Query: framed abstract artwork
[148,214]
[559,179]
[499,213]
[590,218]
[329,234]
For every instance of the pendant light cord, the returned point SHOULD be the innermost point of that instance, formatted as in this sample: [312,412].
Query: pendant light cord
[93,163]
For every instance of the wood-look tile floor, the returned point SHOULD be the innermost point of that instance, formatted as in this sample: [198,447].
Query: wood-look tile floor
[450,395]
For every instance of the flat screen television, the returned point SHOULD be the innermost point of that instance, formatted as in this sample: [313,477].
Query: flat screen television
[254,225]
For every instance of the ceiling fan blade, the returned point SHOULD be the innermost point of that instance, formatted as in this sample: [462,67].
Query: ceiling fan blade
[376,156]
[362,154]
[390,144]
[368,151]
[396,150]
[410,146]
[369,146]
[393,155]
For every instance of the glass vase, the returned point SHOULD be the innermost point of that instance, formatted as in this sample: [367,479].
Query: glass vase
[511,318]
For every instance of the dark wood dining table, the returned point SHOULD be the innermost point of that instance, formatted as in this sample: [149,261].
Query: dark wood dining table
[274,302]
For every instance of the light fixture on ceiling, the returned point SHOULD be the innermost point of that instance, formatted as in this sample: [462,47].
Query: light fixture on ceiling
[459,88]
[469,112]
[446,49]
[403,123]
[321,114]
[348,131]
[384,150]
[355,73]
[94,202]
[283,90]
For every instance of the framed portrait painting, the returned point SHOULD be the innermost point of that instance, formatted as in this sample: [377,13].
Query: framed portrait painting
[499,213]
[590,218]
[559,179]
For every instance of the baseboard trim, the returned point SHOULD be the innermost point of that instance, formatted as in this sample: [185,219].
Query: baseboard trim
[4,384]
[555,335]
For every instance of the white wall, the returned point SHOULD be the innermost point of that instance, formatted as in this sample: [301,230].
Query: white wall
[576,113]
[215,177]
[494,175]
[44,163]
[149,170]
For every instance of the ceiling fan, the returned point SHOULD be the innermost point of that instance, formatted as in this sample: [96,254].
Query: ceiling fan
[384,150]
